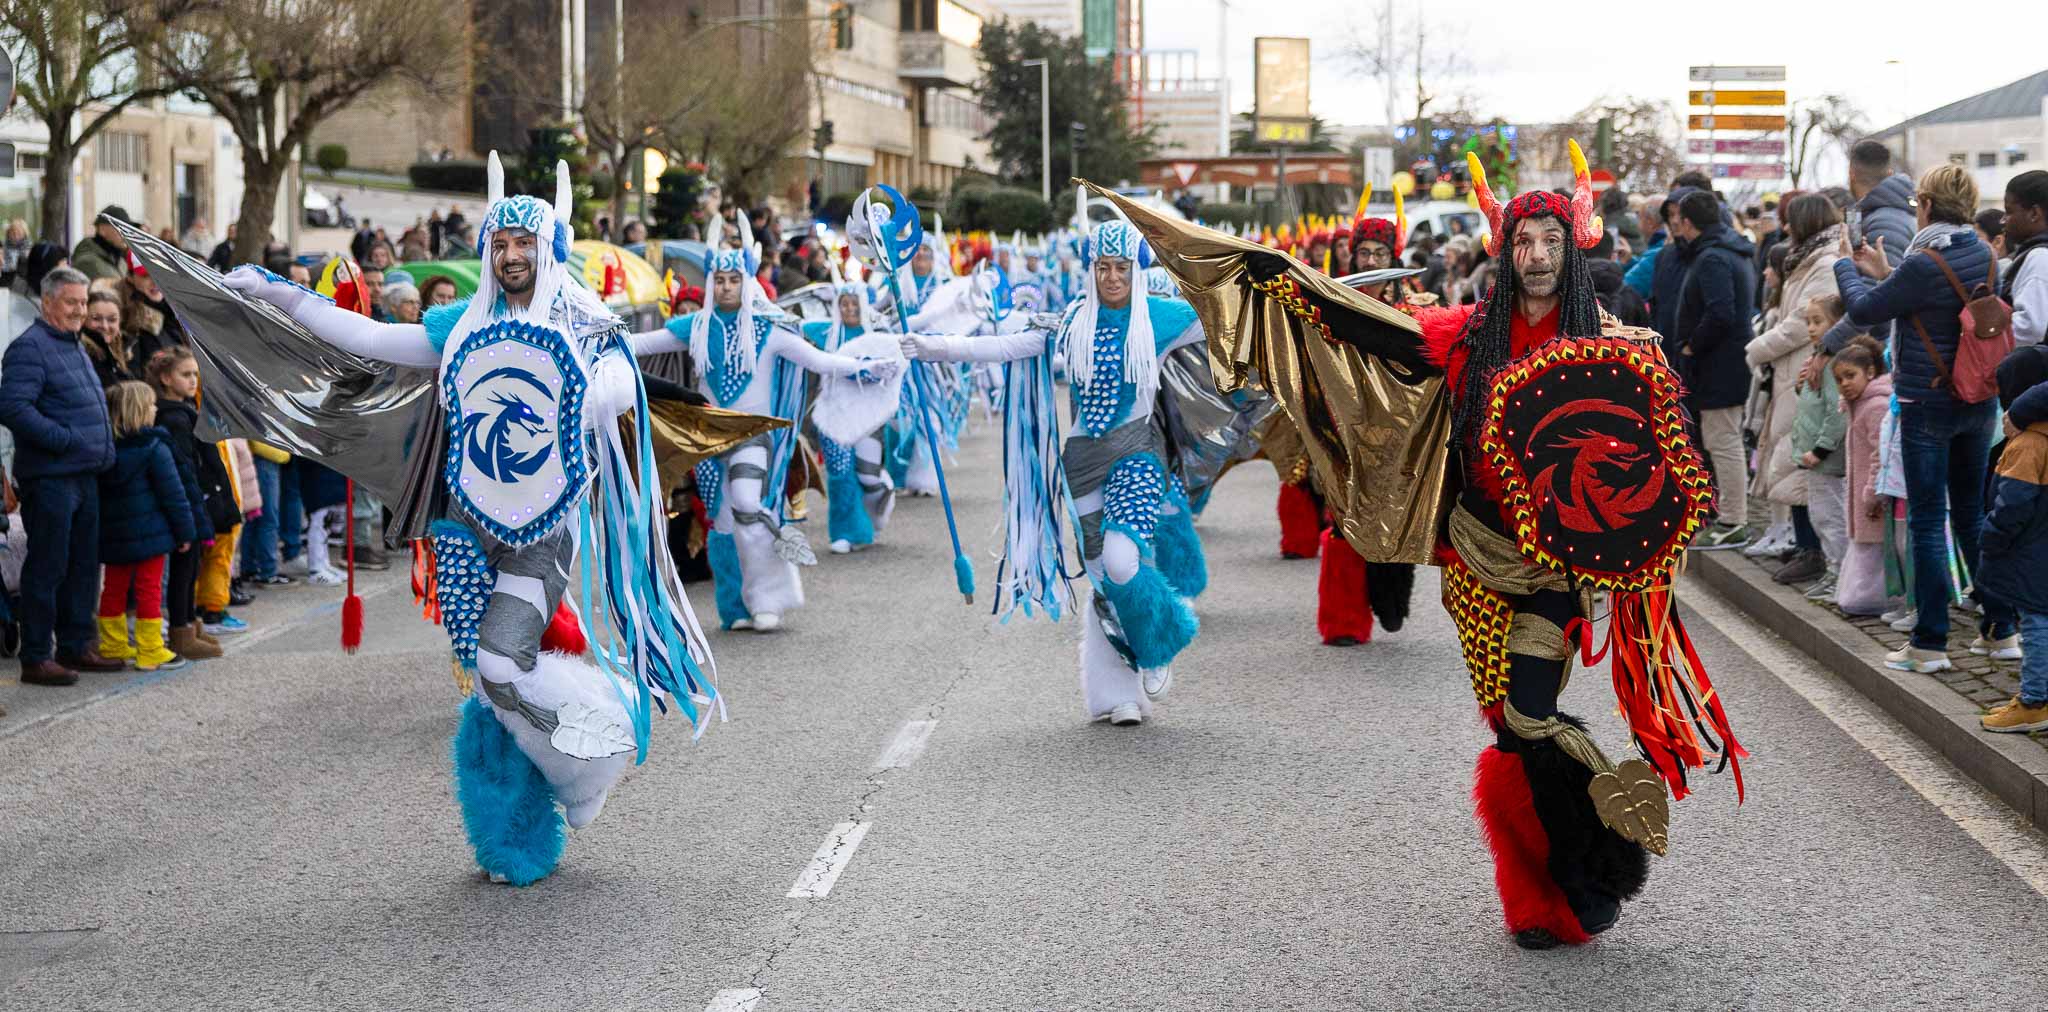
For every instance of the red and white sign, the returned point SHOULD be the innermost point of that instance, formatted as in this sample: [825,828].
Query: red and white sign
[1718,146]
[1603,180]
[1186,171]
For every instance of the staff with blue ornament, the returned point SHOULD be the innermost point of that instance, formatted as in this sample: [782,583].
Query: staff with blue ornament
[746,355]
[1113,476]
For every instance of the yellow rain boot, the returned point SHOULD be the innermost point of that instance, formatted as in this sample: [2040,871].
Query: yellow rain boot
[150,654]
[114,645]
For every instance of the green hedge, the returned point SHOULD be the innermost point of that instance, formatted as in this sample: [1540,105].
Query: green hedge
[997,209]
[454,176]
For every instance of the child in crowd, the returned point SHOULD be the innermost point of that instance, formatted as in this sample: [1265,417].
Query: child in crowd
[174,375]
[144,516]
[1867,392]
[1818,428]
[2013,556]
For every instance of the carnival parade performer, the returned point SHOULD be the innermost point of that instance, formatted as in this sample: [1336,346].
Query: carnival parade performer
[746,356]
[1349,590]
[858,487]
[1134,526]
[532,372]
[1507,397]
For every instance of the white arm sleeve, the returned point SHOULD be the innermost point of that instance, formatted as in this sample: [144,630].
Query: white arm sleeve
[655,342]
[2030,300]
[810,357]
[396,343]
[1009,347]
[614,389]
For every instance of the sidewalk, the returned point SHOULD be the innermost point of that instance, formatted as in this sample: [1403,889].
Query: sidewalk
[1942,709]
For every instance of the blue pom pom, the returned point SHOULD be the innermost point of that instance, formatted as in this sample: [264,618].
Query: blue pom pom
[1179,550]
[1158,623]
[848,518]
[726,579]
[508,809]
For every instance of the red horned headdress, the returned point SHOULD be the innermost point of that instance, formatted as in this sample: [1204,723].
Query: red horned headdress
[1586,226]
[1392,234]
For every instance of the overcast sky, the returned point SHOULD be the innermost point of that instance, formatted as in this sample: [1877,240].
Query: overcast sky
[1633,49]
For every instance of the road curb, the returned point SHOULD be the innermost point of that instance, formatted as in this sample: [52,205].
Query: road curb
[2013,767]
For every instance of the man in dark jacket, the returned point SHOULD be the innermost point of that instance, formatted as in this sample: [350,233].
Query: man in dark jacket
[223,256]
[1715,304]
[103,254]
[1884,197]
[1669,273]
[52,401]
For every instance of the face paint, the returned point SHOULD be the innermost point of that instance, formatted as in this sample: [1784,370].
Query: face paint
[1113,281]
[1539,256]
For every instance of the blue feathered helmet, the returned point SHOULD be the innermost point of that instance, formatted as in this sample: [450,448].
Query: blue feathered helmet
[745,260]
[1117,240]
[532,214]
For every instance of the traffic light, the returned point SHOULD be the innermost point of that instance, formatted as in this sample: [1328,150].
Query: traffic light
[821,138]
[1077,131]
[842,26]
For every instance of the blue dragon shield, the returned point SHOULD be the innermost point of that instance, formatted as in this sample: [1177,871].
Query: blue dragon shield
[516,458]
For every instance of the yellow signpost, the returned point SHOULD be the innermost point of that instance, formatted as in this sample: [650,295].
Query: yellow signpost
[1725,121]
[1719,98]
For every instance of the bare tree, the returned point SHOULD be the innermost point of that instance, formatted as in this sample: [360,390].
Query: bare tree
[1409,60]
[631,106]
[1816,124]
[1645,141]
[77,70]
[274,69]
[756,112]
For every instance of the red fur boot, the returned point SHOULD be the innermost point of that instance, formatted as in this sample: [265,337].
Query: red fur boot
[1343,615]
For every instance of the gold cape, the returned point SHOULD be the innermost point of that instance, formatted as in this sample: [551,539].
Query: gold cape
[685,435]
[1376,433]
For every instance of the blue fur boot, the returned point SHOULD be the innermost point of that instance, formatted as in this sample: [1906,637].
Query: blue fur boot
[1157,622]
[726,579]
[848,519]
[508,809]
[1180,549]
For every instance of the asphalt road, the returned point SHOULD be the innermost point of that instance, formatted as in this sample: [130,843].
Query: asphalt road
[274,829]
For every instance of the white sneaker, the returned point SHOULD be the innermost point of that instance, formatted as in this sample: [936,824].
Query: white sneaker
[745,623]
[842,546]
[1914,659]
[767,621]
[1126,715]
[1774,541]
[1895,614]
[2007,649]
[326,578]
[1157,681]
[1906,622]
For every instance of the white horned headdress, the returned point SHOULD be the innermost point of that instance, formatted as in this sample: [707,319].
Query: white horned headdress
[553,231]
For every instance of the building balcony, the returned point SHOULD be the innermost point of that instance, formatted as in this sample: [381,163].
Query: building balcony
[932,59]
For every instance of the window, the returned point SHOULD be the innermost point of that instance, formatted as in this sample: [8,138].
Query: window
[2014,156]
[31,161]
[122,152]
[1987,159]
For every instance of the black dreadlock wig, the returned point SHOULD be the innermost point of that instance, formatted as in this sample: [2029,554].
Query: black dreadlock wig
[1486,333]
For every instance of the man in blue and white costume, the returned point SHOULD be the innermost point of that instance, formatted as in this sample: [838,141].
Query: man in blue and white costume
[1137,539]
[533,371]
[746,356]
[861,493]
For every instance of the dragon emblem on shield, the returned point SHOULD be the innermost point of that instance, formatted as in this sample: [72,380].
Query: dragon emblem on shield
[1604,487]
[499,439]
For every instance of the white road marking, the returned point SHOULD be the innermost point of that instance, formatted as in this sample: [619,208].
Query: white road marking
[907,745]
[1988,821]
[735,999]
[818,876]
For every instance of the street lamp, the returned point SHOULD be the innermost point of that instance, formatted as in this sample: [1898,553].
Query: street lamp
[1044,128]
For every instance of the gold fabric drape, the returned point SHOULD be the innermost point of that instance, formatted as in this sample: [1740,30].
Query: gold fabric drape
[1376,433]
[685,435]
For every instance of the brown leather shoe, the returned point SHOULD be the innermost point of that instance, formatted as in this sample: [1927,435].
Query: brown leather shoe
[47,673]
[91,660]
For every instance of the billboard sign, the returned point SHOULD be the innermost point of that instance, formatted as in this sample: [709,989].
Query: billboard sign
[1280,90]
